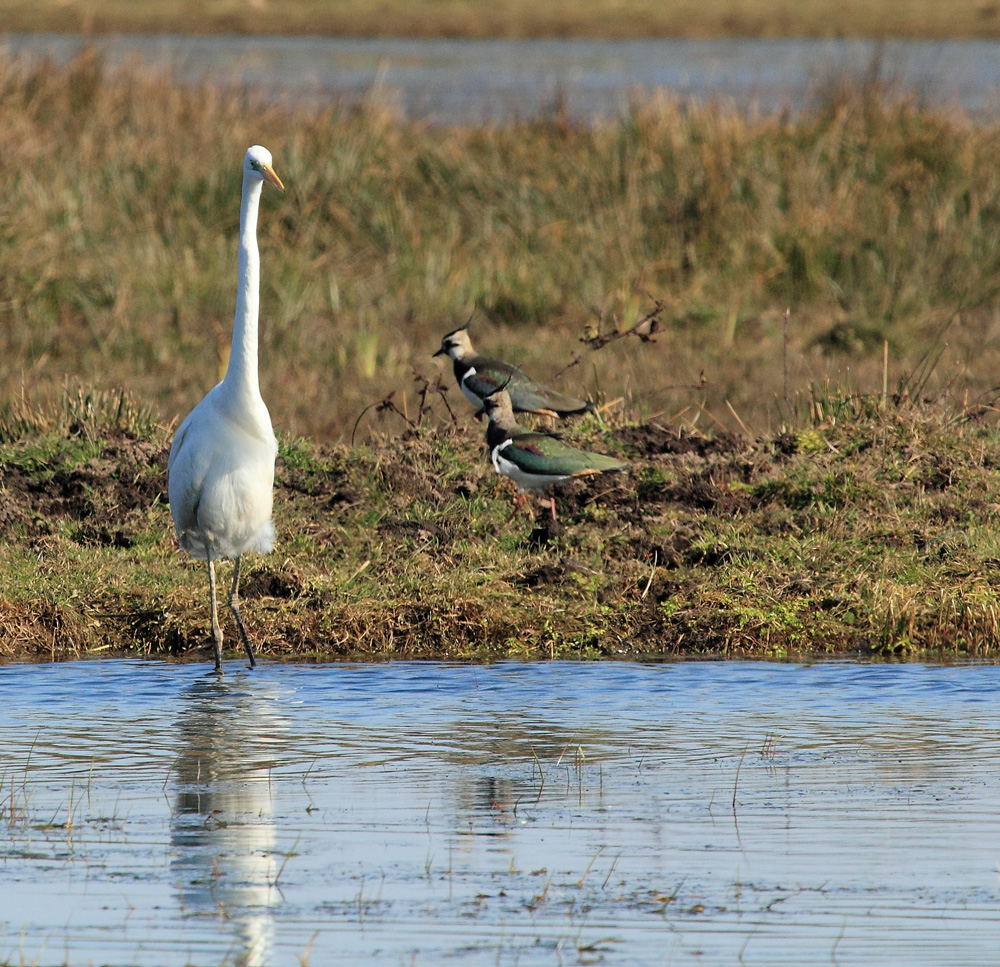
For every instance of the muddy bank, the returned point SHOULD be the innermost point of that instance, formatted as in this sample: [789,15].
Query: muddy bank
[871,536]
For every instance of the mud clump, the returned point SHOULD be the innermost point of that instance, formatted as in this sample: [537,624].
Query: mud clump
[284,584]
[653,440]
[107,496]
[421,531]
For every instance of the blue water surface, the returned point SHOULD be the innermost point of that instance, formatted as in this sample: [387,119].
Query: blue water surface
[454,81]
[424,813]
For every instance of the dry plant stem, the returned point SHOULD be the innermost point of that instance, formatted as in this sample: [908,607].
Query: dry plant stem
[784,356]
[736,780]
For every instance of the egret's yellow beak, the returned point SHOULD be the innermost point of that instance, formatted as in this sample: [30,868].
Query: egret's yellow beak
[268,174]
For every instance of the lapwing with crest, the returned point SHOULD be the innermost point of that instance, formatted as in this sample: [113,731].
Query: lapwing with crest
[479,376]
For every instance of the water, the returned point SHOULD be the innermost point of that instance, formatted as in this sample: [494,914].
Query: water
[561,813]
[468,81]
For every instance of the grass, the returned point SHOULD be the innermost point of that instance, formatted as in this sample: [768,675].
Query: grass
[816,480]
[872,218]
[517,18]
[873,533]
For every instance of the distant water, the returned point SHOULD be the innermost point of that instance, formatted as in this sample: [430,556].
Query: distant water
[555,813]
[467,81]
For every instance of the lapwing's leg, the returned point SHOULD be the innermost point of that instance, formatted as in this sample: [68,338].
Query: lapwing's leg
[234,606]
[518,503]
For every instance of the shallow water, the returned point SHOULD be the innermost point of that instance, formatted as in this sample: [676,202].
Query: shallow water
[470,81]
[562,813]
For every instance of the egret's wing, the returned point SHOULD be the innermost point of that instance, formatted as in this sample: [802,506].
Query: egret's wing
[188,466]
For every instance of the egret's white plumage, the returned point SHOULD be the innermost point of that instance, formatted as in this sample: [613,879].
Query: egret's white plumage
[221,467]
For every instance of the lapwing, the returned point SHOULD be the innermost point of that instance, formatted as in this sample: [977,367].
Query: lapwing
[478,376]
[534,460]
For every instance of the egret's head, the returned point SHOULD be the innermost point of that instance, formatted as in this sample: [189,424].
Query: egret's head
[257,164]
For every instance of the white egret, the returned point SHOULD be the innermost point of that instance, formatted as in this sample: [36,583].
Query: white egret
[221,467]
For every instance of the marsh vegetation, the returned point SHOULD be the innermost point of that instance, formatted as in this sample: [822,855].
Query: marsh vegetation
[823,480]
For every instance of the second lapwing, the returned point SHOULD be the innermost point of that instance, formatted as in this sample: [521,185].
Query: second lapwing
[536,460]
[478,376]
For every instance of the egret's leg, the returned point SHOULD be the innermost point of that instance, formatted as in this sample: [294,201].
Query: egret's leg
[552,505]
[234,605]
[216,627]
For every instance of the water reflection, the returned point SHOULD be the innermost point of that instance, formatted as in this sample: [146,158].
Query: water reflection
[559,813]
[222,824]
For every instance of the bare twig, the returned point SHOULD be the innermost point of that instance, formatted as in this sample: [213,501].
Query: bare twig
[380,407]
[645,329]
[427,388]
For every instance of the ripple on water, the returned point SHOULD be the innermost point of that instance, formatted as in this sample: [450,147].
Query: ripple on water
[415,812]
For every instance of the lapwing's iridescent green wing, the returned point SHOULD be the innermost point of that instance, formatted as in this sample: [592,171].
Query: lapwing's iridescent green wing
[543,455]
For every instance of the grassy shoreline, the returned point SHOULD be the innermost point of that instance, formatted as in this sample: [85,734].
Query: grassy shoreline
[516,18]
[870,533]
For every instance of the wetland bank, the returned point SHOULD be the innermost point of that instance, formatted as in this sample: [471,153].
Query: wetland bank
[866,536]
[821,483]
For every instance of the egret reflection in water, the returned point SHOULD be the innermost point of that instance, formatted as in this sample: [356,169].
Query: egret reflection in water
[222,820]
[631,814]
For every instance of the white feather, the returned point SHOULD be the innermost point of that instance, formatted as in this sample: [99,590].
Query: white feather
[466,392]
[221,467]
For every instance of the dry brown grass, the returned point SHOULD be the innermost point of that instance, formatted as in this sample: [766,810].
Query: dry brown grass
[517,18]
[872,218]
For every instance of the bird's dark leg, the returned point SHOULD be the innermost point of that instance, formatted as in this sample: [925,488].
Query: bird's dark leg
[216,628]
[234,606]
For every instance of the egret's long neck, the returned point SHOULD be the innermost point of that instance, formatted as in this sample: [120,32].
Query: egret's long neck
[241,374]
